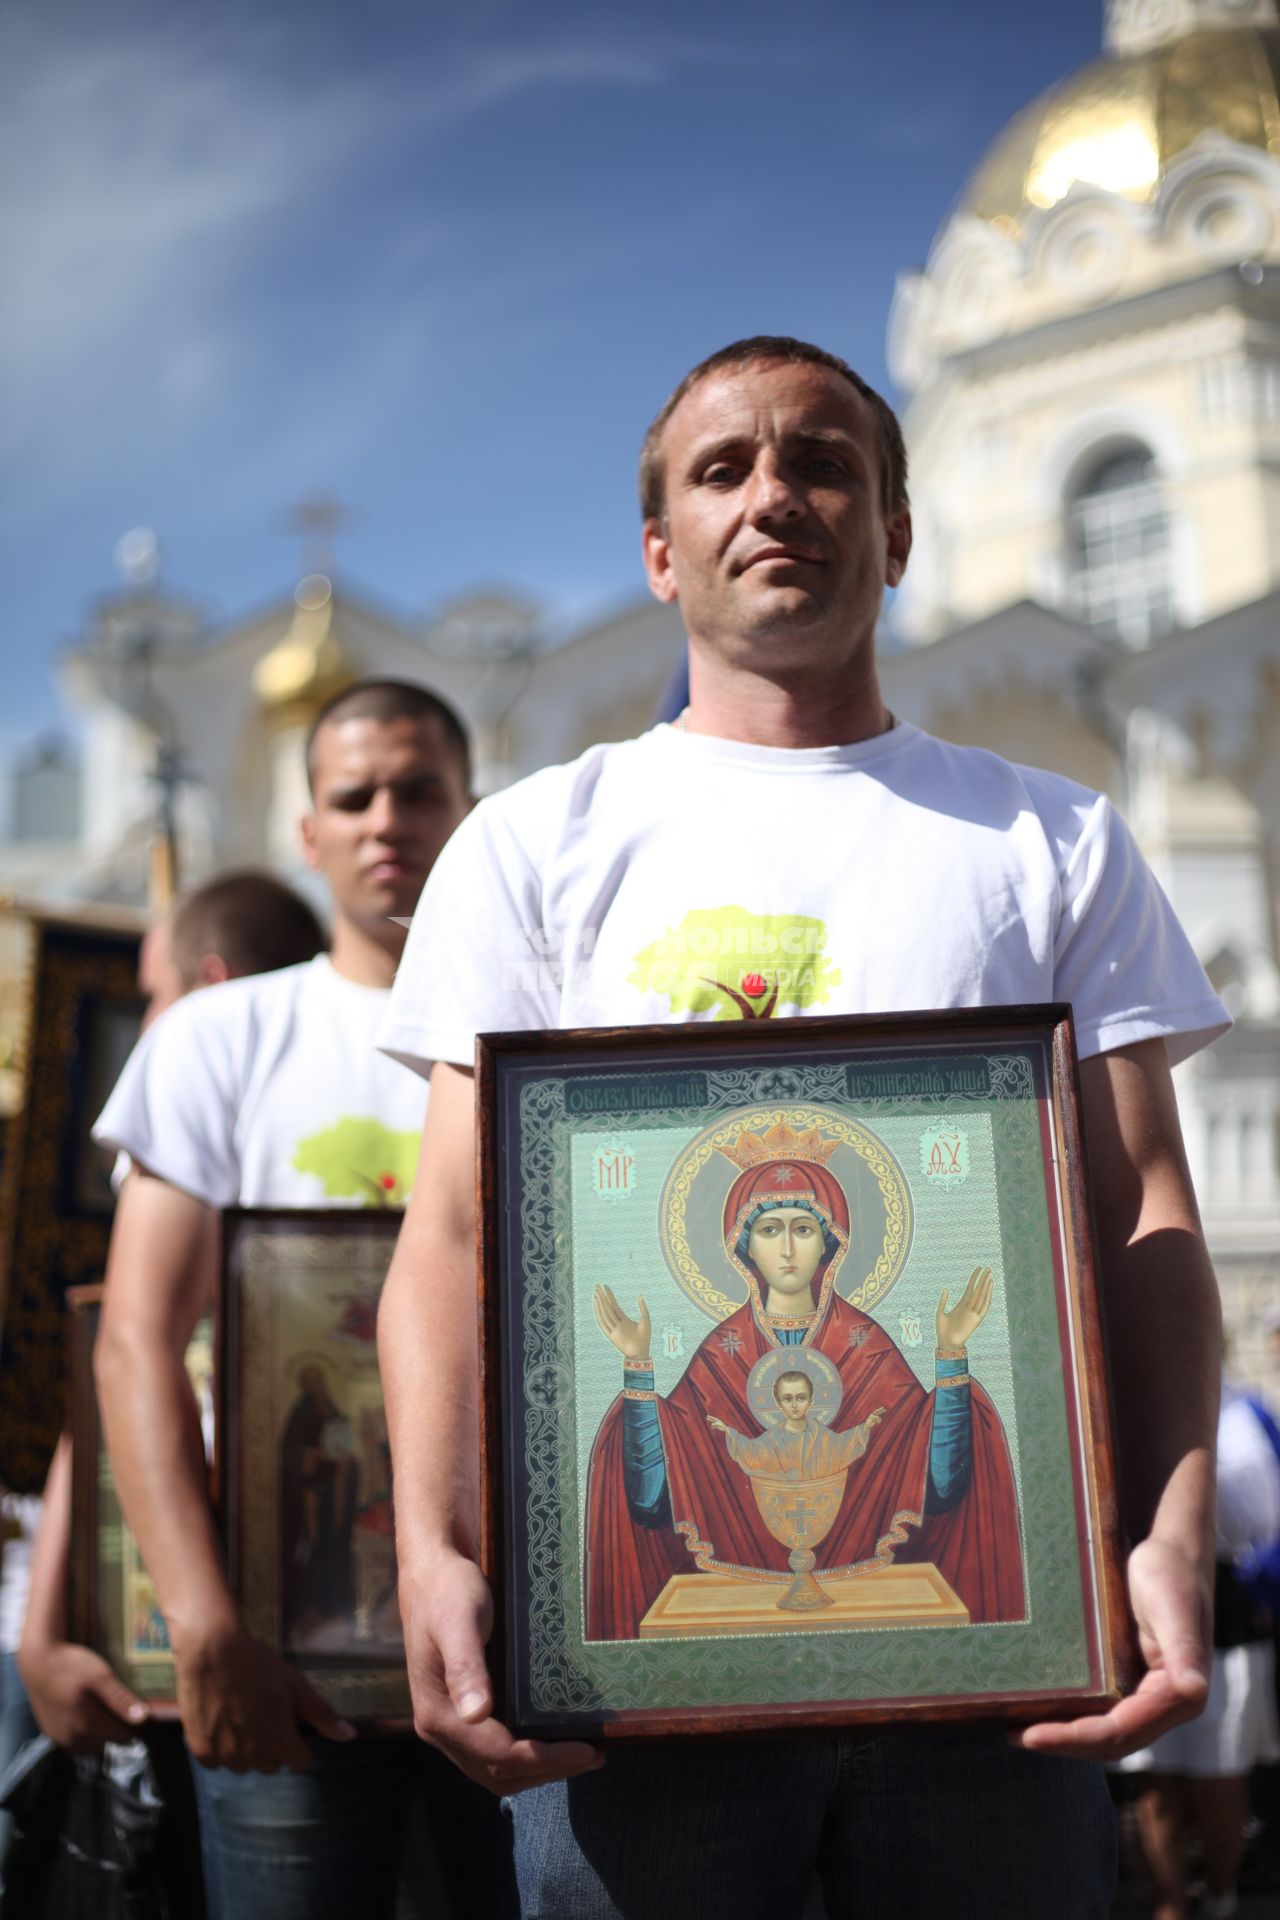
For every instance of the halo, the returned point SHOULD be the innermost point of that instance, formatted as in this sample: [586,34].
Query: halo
[692,1252]
[823,1374]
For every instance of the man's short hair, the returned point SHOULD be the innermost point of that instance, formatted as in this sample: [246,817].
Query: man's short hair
[253,922]
[393,700]
[779,347]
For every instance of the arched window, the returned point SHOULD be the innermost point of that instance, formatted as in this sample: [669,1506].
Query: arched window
[1118,550]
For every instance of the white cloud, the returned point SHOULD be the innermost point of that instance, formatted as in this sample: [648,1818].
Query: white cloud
[159,178]
[140,180]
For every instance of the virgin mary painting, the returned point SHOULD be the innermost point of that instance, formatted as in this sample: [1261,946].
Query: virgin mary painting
[935,1482]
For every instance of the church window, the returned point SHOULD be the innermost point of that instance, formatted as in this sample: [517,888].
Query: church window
[1119,554]
[1230,391]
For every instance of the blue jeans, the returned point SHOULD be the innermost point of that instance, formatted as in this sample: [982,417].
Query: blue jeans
[325,1845]
[898,1825]
[17,1726]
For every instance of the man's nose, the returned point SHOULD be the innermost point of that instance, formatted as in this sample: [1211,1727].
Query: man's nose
[384,812]
[772,493]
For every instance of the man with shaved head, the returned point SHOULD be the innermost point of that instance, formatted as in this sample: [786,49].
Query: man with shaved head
[269,1092]
[914,874]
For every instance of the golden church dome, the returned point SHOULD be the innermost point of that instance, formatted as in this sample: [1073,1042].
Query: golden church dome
[307,666]
[1119,122]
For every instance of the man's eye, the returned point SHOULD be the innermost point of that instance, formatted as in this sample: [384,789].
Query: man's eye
[720,475]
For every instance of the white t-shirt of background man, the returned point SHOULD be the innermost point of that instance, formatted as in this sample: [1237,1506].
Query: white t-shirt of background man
[679,877]
[268,1091]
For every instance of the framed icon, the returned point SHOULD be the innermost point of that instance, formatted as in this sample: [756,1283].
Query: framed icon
[304,1463]
[79,1015]
[795,1410]
[113,1605]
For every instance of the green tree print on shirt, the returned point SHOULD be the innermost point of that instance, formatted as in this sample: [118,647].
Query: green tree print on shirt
[356,1156]
[742,965]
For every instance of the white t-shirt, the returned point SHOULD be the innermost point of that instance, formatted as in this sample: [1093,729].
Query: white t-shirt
[19,1522]
[680,877]
[268,1091]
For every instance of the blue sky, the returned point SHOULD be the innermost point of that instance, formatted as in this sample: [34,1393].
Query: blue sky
[445,262]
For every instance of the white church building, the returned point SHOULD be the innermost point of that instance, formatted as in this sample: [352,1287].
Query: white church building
[1091,366]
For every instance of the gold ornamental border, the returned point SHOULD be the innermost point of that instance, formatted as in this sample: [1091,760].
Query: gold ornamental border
[891,1180]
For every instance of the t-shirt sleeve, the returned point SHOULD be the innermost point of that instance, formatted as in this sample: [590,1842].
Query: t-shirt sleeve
[472,963]
[173,1109]
[1121,957]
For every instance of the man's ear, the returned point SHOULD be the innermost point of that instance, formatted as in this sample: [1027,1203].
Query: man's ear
[307,835]
[897,545]
[212,971]
[659,564]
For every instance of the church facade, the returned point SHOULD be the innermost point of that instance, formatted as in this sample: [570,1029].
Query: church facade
[1091,364]
[1090,361]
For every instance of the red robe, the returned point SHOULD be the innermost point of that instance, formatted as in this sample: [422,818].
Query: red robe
[975,1545]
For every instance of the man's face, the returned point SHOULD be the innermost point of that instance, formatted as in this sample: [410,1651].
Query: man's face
[386,795]
[786,1246]
[159,981]
[774,540]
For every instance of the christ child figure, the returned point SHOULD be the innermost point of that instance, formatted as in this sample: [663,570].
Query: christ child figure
[802,1448]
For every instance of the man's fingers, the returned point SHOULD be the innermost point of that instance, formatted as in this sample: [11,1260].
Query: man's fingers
[1170,1603]
[1173,1615]
[91,1729]
[314,1711]
[1135,1722]
[488,1754]
[466,1677]
[289,1750]
[118,1700]
[1169,1633]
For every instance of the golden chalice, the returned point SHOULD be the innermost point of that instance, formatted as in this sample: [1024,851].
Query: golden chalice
[800,1513]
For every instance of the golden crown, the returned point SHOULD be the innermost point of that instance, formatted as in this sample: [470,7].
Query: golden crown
[781,1142]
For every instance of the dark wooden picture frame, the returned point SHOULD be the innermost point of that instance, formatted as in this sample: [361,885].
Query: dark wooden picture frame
[639,1592]
[112,1606]
[302,1457]
[81,1005]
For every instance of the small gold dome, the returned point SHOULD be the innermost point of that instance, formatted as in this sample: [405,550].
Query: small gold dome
[307,666]
[1121,120]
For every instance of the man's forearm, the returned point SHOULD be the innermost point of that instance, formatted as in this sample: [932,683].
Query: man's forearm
[46,1617]
[152,1427]
[427,1340]
[428,1360]
[1164,1330]
[1159,1299]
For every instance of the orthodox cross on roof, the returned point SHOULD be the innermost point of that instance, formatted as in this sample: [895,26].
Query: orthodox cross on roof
[317,520]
